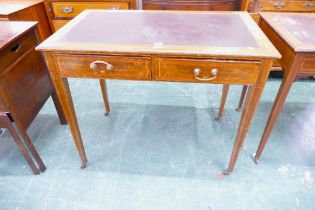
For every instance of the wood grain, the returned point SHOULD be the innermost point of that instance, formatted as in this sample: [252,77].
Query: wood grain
[27,10]
[192,5]
[294,61]
[247,64]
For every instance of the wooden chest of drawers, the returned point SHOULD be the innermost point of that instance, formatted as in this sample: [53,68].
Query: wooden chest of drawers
[200,5]
[61,11]
[255,6]
[281,6]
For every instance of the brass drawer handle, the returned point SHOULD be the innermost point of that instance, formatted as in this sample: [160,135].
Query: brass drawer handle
[114,8]
[279,5]
[213,72]
[94,64]
[308,5]
[67,9]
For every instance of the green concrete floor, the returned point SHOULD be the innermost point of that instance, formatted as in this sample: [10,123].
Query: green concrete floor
[160,148]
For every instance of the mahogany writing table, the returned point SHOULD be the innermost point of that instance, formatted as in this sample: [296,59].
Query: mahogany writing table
[210,47]
[25,85]
[293,36]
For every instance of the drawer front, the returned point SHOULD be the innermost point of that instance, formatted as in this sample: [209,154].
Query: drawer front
[17,49]
[72,9]
[205,6]
[298,6]
[308,66]
[183,70]
[57,24]
[111,67]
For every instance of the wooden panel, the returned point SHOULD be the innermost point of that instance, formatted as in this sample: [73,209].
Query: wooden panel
[136,68]
[308,66]
[28,86]
[189,5]
[256,17]
[287,53]
[35,13]
[182,70]
[302,6]
[72,9]
[12,30]
[3,107]
[8,7]
[57,24]
[15,50]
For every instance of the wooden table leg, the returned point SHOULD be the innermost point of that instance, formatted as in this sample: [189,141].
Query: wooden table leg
[30,145]
[283,92]
[8,124]
[58,107]
[242,98]
[252,101]
[225,91]
[105,95]
[64,95]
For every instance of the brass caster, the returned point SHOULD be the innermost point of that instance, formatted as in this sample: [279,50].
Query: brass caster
[217,118]
[227,172]
[84,164]
[256,160]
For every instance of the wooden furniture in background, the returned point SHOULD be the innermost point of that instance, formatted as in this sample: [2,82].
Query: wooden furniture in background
[255,6]
[293,36]
[61,11]
[26,10]
[160,47]
[25,85]
[198,5]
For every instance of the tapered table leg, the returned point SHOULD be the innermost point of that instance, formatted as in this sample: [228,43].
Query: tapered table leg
[58,107]
[8,124]
[105,95]
[64,95]
[251,104]
[30,146]
[283,92]
[242,98]
[225,91]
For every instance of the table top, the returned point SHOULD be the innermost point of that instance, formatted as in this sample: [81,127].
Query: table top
[8,7]
[11,30]
[204,33]
[297,29]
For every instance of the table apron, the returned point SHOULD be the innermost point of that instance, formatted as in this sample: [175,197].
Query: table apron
[162,68]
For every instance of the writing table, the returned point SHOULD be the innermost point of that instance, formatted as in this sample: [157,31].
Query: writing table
[25,85]
[293,36]
[173,46]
